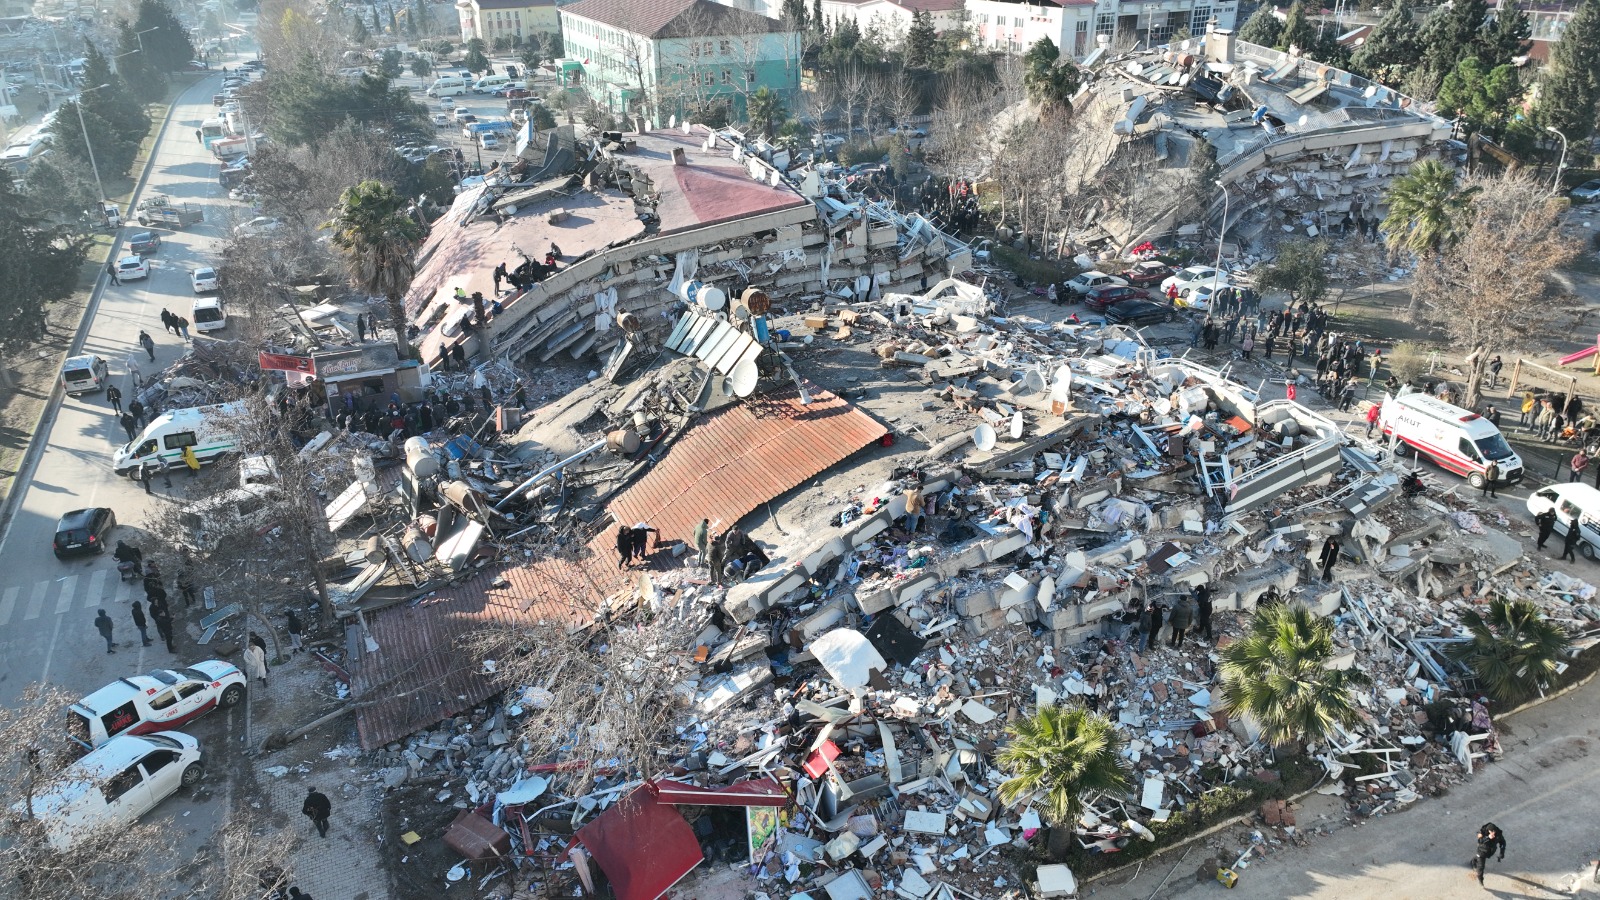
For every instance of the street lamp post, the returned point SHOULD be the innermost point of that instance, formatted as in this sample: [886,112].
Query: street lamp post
[139,35]
[1555,184]
[88,145]
[1221,233]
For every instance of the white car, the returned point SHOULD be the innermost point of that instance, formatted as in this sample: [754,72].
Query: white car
[204,279]
[132,268]
[157,700]
[1088,281]
[258,226]
[115,785]
[1192,275]
[488,141]
[440,120]
[1198,296]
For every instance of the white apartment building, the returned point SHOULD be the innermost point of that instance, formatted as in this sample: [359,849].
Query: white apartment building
[1077,25]
[891,19]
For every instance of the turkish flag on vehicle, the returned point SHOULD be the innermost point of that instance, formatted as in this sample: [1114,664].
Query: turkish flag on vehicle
[282,363]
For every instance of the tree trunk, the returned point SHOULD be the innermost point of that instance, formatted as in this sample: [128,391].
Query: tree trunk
[1417,311]
[1059,842]
[1473,390]
[397,318]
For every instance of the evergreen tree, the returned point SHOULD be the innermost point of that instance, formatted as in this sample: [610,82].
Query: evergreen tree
[794,14]
[39,267]
[1262,28]
[358,31]
[1297,31]
[921,42]
[1390,49]
[1484,98]
[1571,83]
[1507,39]
[143,78]
[1454,36]
[165,39]
[817,24]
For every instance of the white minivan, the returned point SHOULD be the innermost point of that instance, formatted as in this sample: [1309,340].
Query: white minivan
[115,784]
[447,87]
[1569,500]
[489,82]
[1457,439]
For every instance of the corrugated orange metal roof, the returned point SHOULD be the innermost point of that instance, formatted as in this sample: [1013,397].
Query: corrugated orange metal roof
[721,468]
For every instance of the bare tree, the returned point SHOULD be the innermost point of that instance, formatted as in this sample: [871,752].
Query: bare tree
[1485,291]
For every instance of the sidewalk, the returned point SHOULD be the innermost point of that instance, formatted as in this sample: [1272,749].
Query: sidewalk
[348,863]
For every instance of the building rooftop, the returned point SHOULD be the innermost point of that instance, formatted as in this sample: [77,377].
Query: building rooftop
[673,18]
[511,4]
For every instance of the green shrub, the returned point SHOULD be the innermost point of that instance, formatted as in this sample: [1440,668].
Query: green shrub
[1033,271]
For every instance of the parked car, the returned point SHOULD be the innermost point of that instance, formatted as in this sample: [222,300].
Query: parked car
[1146,273]
[516,93]
[440,120]
[159,700]
[144,243]
[1138,312]
[1085,282]
[1588,192]
[489,141]
[260,225]
[1103,297]
[82,374]
[447,103]
[830,141]
[204,279]
[132,268]
[1198,297]
[1192,275]
[115,785]
[463,116]
[83,532]
[1568,500]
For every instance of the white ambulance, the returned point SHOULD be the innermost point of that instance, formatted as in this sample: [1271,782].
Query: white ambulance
[1457,439]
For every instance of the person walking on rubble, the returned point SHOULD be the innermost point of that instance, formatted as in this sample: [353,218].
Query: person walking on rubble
[914,505]
[641,540]
[1152,634]
[1490,839]
[1330,556]
[1202,607]
[1569,542]
[702,541]
[1182,618]
[1547,526]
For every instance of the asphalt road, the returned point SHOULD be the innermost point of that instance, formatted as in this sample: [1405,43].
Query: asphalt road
[1540,793]
[47,607]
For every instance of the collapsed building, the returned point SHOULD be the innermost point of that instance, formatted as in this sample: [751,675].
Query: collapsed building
[1302,147]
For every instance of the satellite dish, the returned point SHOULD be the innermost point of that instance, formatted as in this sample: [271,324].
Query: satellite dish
[744,377]
[1033,380]
[1016,425]
[983,437]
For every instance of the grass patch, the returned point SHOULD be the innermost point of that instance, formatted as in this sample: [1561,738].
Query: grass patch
[1297,774]
[1033,271]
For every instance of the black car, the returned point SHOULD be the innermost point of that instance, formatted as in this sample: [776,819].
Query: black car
[83,531]
[1138,312]
[144,243]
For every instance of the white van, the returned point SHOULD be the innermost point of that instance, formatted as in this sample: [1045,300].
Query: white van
[208,314]
[201,525]
[447,87]
[206,429]
[116,784]
[489,82]
[1573,498]
[1457,439]
[83,374]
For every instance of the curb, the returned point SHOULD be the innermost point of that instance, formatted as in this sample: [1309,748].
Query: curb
[52,406]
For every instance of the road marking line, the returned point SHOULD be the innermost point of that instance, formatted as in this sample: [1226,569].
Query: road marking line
[69,587]
[8,604]
[50,650]
[97,590]
[36,601]
[124,590]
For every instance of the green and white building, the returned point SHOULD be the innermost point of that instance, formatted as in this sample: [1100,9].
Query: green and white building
[664,58]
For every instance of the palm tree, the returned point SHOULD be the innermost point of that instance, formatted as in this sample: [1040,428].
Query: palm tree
[1428,211]
[1277,675]
[378,242]
[1059,754]
[1513,650]
[766,112]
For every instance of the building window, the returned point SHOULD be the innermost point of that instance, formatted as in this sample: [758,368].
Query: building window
[727,76]
[708,48]
[1199,18]
[1105,23]
[750,77]
[727,47]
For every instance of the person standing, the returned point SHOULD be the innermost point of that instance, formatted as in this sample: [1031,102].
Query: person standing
[1569,543]
[148,343]
[114,397]
[702,540]
[1373,412]
[255,663]
[1202,610]
[499,276]
[1580,461]
[624,546]
[520,397]
[102,624]
[1547,525]
[137,409]
[192,461]
[295,630]
[163,620]
[146,473]
[719,556]
[130,425]
[641,540]
[1330,556]
[914,507]
[140,623]
[1152,636]
[1182,618]
[317,808]
[1495,365]
[1527,409]
[1490,839]
[1491,480]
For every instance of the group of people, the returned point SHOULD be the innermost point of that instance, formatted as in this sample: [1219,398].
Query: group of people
[1559,418]
[1569,542]
[1192,612]
[729,555]
[529,273]
[175,324]
[155,596]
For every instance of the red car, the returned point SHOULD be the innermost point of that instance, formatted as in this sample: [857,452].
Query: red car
[1102,297]
[1147,273]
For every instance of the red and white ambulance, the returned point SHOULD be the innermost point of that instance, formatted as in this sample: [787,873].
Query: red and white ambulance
[1457,439]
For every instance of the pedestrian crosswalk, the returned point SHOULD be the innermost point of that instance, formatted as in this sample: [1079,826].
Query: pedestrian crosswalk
[81,591]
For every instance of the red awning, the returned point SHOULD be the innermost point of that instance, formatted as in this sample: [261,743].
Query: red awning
[760,792]
[644,847]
